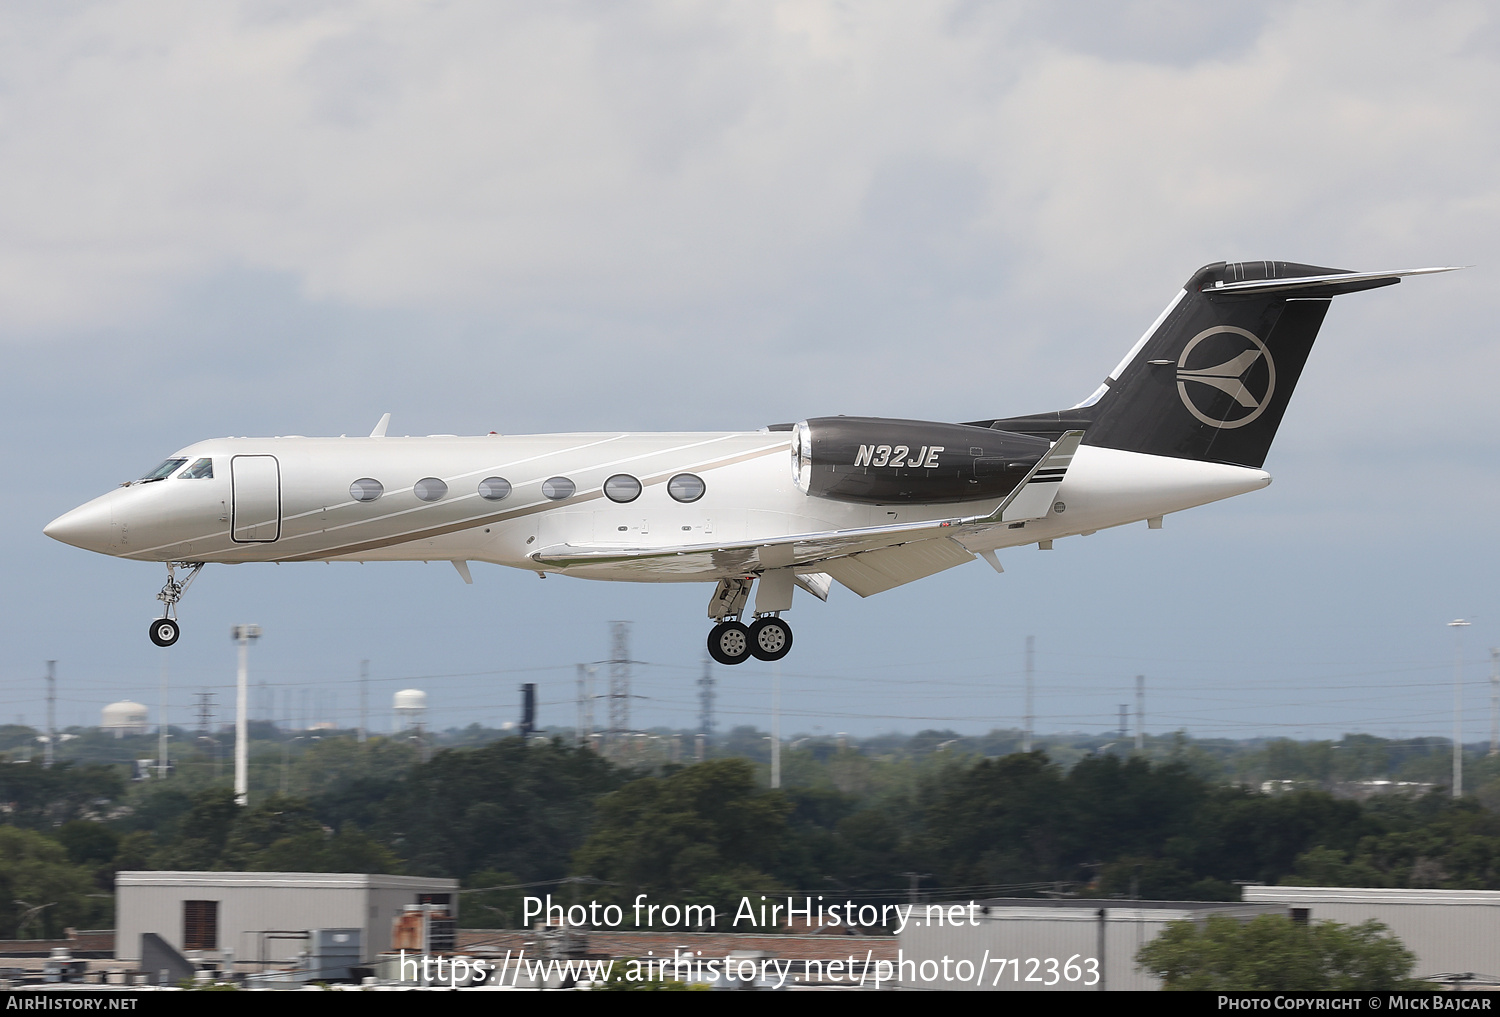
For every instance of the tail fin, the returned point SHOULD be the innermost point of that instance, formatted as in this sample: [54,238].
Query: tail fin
[1212,377]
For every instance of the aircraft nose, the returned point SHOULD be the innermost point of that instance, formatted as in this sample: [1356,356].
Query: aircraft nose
[87,526]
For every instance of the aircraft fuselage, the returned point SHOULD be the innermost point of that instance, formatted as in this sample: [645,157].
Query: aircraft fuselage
[293,499]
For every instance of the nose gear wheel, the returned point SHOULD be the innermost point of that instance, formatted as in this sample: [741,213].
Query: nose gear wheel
[164,631]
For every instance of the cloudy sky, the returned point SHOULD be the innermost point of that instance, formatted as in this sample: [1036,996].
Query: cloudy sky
[289,218]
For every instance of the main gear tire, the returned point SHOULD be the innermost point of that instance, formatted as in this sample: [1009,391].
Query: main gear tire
[770,639]
[729,643]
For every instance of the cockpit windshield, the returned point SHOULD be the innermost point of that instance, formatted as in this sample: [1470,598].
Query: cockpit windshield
[163,471]
[203,469]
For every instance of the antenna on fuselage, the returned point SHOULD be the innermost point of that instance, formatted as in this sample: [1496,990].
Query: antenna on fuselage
[379,432]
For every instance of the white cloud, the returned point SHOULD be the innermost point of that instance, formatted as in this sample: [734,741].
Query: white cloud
[514,157]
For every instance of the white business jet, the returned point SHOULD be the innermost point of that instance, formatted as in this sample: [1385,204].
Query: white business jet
[870,503]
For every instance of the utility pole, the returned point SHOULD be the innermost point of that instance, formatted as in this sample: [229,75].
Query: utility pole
[205,712]
[584,735]
[51,713]
[1140,712]
[1495,701]
[1026,734]
[364,700]
[1458,626]
[205,725]
[706,701]
[619,686]
[243,635]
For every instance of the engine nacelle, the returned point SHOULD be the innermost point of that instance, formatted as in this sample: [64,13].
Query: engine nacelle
[884,461]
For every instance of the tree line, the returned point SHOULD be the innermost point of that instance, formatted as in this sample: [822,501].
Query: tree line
[511,817]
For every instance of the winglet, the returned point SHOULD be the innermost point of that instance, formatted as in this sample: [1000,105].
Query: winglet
[1032,497]
[379,432]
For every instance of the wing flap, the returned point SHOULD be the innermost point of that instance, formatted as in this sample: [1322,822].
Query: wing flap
[747,556]
[872,572]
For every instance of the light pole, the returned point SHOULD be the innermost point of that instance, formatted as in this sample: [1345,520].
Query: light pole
[244,635]
[776,724]
[1458,625]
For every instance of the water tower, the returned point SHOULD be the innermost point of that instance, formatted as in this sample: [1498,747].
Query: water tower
[411,709]
[125,718]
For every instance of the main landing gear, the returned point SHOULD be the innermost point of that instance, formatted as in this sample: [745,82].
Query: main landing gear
[165,630]
[768,637]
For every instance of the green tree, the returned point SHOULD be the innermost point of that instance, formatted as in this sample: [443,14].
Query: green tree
[349,850]
[35,873]
[1272,952]
[40,797]
[707,834]
[347,781]
[205,831]
[1001,821]
[509,806]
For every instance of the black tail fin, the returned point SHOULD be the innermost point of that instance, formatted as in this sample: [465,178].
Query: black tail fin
[1212,378]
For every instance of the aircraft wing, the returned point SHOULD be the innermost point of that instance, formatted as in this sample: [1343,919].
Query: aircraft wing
[868,559]
[750,556]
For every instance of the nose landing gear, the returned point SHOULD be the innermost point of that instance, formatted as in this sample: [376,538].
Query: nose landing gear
[165,630]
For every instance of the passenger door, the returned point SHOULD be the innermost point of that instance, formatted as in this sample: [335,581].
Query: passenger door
[256,506]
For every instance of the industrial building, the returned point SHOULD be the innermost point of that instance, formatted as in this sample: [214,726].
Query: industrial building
[264,917]
[1043,944]
[1024,943]
[1450,931]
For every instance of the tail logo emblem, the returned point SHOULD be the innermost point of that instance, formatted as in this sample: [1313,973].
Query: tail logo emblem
[1229,365]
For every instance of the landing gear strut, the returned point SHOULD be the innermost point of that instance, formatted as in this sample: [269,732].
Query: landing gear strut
[165,630]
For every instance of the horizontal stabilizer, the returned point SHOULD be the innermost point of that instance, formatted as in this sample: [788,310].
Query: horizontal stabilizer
[1323,285]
